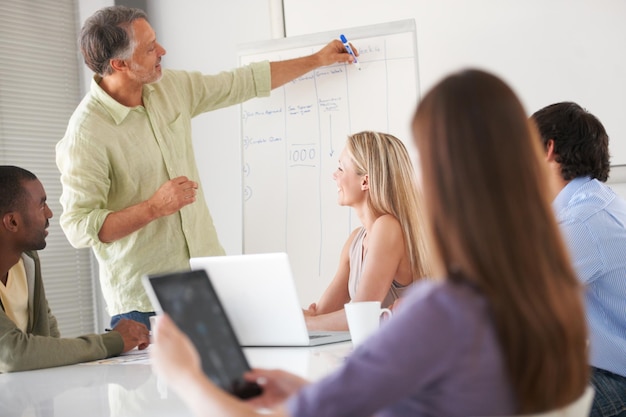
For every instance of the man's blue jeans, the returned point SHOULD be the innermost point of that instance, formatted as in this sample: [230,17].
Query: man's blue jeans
[133,315]
[610,398]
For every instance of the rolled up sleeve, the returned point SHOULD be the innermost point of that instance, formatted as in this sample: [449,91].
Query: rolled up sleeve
[85,180]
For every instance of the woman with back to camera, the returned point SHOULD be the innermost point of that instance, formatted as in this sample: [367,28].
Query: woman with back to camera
[387,253]
[499,331]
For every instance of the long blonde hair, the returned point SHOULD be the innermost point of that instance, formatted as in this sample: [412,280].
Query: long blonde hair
[491,223]
[393,189]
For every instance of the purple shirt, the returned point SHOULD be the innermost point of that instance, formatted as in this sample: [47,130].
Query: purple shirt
[437,356]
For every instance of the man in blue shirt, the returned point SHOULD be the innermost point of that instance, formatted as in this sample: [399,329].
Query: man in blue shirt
[593,221]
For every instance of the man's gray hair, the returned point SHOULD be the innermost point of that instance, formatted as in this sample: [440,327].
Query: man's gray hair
[107,35]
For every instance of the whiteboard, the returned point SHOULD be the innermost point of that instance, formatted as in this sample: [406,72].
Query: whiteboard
[291,142]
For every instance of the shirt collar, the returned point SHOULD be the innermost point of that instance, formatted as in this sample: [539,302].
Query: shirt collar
[118,111]
[563,198]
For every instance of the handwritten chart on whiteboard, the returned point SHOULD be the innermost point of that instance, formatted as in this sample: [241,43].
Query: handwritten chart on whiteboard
[291,142]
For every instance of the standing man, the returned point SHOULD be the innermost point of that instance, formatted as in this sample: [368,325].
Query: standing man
[29,336]
[593,220]
[128,171]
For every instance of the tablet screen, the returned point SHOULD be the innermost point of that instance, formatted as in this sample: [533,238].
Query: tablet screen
[190,300]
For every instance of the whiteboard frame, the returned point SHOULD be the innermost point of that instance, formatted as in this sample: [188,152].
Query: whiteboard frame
[294,42]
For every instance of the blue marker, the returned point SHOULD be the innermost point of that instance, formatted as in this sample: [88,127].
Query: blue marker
[350,51]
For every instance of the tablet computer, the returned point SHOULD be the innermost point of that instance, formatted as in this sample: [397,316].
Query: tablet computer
[189,299]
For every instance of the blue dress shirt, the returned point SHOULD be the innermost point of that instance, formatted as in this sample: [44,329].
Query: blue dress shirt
[593,221]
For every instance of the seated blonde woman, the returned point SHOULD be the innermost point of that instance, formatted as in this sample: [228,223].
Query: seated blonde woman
[387,253]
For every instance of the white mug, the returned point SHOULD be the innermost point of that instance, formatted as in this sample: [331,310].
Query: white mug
[363,319]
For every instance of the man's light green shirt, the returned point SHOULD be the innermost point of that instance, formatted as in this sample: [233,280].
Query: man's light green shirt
[113,157]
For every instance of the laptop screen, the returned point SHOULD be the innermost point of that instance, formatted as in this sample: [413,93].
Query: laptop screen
[190,300]
[261,300]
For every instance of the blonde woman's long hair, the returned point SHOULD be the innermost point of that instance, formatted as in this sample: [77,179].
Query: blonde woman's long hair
[491,223]
[392,189]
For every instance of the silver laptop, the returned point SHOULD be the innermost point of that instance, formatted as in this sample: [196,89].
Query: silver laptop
[260,299]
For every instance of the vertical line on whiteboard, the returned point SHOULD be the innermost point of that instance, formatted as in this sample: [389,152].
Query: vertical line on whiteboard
[286,145]
[386,82]
[416,60]
[319,176]
[345,67]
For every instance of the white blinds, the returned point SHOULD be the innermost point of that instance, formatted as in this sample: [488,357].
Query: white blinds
[39,89]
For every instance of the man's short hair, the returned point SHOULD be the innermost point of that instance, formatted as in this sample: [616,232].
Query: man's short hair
[106,35]
[581,143]
[12,192]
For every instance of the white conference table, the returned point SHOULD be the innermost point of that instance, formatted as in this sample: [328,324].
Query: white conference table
[126,387]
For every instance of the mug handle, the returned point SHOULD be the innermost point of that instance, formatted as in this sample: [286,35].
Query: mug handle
[386,311]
